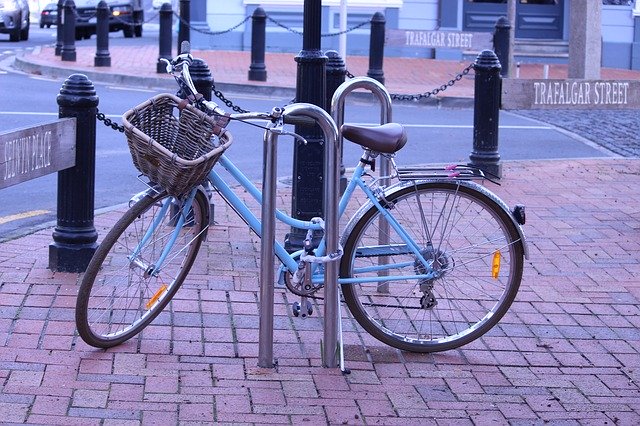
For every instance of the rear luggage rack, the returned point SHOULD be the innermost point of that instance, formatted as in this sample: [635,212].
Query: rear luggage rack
[454,171]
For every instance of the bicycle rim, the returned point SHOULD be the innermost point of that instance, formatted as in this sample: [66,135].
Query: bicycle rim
[473,247]
[119,294]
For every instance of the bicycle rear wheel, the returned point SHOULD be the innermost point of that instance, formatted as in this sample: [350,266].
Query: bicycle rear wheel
[473,246]
[120,294]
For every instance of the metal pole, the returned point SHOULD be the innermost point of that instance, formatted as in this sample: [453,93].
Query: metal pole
[74,237]
[258,69]
[376,47]
[486,113]
[68,52]
[308,159]
[164,37]
[511,17]
[59,27]
[336,71]
[185,21]
[337,112]
[330,196]
[501,44]
[201,76]
[267,275]
[102,58]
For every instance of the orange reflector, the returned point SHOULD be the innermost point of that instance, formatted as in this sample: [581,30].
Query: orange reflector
[156,296]
[495,265]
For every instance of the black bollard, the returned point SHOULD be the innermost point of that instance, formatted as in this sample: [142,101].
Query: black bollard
[59,28]
[486,113]
[308,160]
[185,21]
[68,52]
[201,76]
[501,44]
[336,71]
[102,58]
[258,69]
[74,237]
[376,47]
[164,37]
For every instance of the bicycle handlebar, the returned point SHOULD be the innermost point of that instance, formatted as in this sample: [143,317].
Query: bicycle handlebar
[179,68]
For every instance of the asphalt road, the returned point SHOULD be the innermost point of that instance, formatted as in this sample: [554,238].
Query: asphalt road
[435,136]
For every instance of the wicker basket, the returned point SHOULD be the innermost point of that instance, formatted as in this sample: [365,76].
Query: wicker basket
[174,147]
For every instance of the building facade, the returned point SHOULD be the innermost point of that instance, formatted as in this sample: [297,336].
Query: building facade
[541,26]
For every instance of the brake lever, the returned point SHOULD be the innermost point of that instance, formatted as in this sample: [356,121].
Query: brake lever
[280,131]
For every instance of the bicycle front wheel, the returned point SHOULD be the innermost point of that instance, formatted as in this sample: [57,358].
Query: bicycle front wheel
[121,293]
[475,256]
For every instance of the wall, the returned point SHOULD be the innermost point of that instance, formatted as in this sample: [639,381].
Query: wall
[223,15]
[617,36]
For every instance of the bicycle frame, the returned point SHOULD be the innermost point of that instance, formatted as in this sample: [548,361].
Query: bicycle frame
[287,259]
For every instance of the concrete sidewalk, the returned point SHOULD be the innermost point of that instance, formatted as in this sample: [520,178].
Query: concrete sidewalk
[568,352]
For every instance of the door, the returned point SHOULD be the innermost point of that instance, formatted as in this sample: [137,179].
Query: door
[542,19]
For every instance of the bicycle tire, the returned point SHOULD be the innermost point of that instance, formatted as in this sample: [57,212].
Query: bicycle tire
[459,229]
[117,298]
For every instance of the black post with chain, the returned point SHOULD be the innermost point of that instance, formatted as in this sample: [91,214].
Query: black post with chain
[75,236]
[68,52]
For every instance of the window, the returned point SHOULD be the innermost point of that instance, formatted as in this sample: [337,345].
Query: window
[617,2]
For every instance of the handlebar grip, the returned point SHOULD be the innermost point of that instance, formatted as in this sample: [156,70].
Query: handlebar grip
[302,120]
[185,47]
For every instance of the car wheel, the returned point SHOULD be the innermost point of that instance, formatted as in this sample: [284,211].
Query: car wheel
[14,36]
[42,25]
[24,34]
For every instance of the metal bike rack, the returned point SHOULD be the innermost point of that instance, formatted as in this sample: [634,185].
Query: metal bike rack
[337,112]
[267,273]
[378,90]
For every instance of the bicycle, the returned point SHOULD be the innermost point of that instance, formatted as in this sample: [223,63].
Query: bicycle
[428,264]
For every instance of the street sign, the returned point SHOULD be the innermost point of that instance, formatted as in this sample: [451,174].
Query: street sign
[36,151]
[570,94]
[459,40]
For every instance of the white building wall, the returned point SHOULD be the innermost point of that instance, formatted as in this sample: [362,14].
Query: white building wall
[419,15]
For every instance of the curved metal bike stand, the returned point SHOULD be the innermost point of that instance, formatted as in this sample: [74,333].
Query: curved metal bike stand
[267,274]
[379,91]
[337,112]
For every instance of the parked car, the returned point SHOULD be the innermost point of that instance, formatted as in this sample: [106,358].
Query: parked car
[157,4]
[125,15]
[49,15]
[14,19]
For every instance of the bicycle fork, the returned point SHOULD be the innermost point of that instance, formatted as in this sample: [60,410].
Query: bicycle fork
[154,269]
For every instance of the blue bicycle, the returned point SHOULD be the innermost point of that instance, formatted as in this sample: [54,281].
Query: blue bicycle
[428,263]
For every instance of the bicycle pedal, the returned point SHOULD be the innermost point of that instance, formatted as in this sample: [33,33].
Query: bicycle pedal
[299,311]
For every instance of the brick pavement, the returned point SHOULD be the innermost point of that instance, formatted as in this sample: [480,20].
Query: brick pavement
[567,352]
